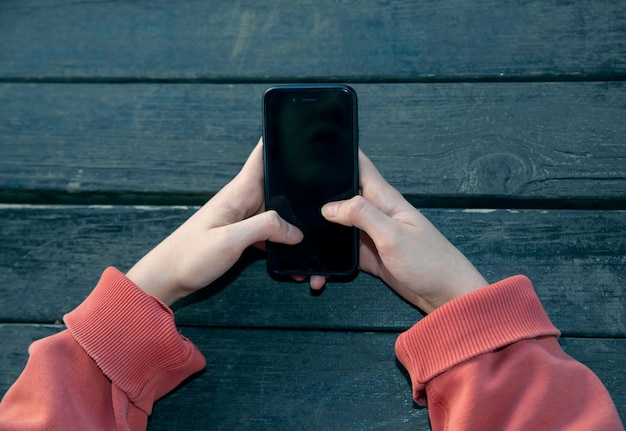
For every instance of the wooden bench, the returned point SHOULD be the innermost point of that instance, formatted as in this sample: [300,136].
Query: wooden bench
[503,121]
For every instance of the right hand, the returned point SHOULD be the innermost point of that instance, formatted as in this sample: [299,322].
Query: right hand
[400,246]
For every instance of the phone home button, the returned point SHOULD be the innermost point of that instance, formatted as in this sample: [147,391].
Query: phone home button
[312,263]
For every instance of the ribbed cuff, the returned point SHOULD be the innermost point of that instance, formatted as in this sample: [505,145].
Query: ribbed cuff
[476,323]
[132,337]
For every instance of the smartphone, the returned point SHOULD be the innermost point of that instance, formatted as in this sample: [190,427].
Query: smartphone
[310,136]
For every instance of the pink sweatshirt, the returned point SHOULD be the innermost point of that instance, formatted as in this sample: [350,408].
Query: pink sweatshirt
[486,361]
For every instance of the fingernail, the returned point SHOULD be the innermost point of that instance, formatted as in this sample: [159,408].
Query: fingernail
[330,209]
[294,234]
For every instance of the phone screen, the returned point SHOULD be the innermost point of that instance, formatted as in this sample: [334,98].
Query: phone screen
[310,153]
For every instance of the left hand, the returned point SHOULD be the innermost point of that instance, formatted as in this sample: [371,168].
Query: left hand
[213,239]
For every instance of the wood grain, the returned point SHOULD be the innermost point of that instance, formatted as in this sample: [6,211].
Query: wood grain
[143,107]
[309,380]
[559,142]
[373,40]
[52,257]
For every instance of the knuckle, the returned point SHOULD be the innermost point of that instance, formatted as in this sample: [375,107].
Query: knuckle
[272,220]
[356,205]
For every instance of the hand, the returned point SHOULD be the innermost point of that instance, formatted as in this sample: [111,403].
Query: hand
[213,239]
[399,245]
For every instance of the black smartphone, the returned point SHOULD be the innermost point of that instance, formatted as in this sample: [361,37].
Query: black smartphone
[310,136]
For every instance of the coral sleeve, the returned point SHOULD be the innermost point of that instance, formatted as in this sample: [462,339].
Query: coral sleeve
[491,360]
[120,353]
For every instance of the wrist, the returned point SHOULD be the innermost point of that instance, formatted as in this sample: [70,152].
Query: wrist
[444,291]
[153,283]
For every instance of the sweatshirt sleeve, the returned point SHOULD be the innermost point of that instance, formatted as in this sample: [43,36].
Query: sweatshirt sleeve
[120,353]
[491,360]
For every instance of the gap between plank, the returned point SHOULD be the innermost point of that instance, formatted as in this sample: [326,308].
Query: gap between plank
[355,79]
[139,198]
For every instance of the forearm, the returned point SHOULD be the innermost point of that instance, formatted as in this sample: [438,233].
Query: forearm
[490,360]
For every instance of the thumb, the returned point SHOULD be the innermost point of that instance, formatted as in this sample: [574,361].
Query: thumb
[358,212]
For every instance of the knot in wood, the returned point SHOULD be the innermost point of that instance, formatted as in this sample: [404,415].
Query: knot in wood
[495,174]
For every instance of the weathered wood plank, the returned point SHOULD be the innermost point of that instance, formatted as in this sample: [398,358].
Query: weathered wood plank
[321,381]
[371,40]
[104,143]
[261,379]
[52,256]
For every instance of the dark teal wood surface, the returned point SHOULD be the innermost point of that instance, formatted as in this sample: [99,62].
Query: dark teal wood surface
[149,143]
[576,260]
[503,121]
[259,379]
[312,40]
